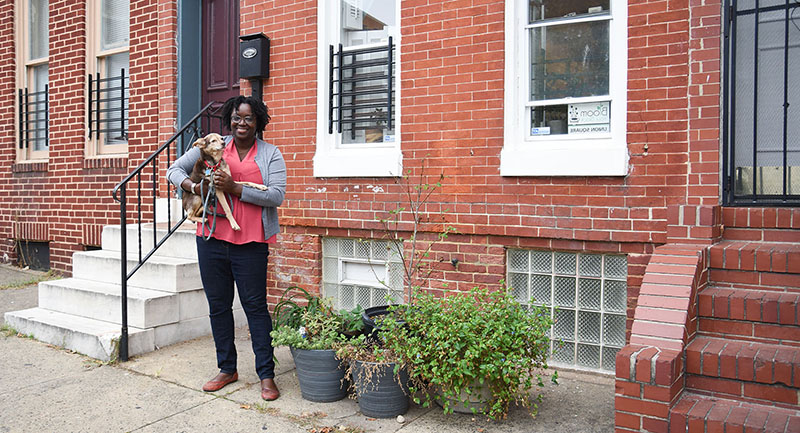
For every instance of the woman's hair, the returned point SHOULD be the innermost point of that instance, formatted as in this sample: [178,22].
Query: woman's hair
[257,106]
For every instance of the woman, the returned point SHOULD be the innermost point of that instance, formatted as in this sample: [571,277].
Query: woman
[240,256]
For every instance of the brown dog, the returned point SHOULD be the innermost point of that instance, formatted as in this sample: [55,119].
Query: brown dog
[212,147]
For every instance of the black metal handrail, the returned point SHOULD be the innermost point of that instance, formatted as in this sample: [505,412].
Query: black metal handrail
[206,121]
[33,117]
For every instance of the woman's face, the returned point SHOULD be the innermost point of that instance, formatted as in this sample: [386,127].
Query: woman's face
[243,123]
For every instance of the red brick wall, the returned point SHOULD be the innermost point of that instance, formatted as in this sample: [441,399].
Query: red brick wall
[7,129]
[452,60]
[71,193]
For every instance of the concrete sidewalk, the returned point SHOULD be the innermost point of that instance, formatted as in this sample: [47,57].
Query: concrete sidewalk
[44,388]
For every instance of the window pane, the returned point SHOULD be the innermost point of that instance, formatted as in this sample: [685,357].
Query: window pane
[38,113]
[546,9]
[118,99]
[38,16]
[569,60]
[367,21]
[115,19]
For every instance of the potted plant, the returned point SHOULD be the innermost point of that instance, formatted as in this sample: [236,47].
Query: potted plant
[476,351]
[377,375]
[312,329]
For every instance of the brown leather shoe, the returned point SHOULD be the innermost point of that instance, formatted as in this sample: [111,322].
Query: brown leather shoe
[220,381]
[269,391]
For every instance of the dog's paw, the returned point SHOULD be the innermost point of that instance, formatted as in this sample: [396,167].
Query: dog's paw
[235,226]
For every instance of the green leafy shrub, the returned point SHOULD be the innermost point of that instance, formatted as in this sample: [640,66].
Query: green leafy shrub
[450,343]
[312,323]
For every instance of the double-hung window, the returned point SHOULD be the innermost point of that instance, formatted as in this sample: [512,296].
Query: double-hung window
[108,79]
[358,128]
[32,103]
[565,88]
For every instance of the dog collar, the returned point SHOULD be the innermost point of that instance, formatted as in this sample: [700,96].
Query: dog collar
[213,167]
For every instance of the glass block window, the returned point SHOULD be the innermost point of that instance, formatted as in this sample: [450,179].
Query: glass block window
[361,272]
[587,296]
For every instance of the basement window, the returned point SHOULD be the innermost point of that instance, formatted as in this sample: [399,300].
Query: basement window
[361,272]
[587,296]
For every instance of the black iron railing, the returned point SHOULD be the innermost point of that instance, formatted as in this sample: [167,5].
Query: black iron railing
[761,106]
[33,119]
[361,89]
[108,106]
[143,203]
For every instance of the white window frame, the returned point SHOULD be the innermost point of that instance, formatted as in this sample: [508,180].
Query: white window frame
[25,76]
[526,155]
[332,159]
[95,61]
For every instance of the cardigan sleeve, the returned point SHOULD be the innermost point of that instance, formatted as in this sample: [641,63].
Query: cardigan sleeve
[275,179]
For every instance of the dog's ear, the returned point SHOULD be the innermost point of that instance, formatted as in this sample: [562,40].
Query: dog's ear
[200,142]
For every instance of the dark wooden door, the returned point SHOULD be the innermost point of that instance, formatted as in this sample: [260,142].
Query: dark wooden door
[220,28]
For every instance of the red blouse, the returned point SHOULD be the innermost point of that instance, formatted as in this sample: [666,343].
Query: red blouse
[248,215]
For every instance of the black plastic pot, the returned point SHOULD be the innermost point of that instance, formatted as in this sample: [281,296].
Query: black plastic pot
[320,375]
[371,317]
[378,391]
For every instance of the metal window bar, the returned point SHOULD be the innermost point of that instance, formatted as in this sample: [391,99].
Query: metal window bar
[108,105]
[146,191]
[33,117]
[749,183]
[361,88]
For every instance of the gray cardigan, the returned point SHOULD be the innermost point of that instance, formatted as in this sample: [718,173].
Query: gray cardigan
[273,170]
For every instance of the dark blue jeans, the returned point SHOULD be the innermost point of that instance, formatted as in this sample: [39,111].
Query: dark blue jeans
[221,264]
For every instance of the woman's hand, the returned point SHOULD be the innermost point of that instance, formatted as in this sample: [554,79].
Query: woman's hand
[223,182]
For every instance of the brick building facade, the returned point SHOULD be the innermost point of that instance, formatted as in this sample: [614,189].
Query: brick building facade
[455,68]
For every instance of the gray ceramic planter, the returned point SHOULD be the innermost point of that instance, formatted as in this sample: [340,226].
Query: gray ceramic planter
[320,375]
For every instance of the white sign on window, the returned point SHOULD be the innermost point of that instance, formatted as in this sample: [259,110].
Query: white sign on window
[589,113]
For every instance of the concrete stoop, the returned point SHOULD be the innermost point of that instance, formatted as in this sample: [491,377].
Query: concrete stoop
[166,303]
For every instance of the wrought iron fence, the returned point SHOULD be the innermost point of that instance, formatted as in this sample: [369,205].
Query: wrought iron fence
[145,184]
[33,119]
[761,103]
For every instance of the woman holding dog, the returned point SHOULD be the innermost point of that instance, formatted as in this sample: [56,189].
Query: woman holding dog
[240,257]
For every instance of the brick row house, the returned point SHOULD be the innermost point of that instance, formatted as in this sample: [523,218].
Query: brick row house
[634,166]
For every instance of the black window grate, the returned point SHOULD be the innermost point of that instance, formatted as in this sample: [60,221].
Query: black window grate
[33,118]
[761,103]
[108,106]
[361,89]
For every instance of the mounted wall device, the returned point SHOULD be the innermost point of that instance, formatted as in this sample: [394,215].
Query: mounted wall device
[254,61]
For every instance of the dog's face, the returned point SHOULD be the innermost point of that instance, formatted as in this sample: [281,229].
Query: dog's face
[212,145]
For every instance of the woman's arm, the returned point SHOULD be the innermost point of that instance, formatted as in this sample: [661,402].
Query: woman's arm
[178,172]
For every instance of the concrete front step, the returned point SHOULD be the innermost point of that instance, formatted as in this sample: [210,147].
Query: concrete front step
[180,244]
[103,301]
[752,305]
[698,413]
[90,337]
[748,370]
[168,274]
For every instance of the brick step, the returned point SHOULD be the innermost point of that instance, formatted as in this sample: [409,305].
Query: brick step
[698,413]
[750,371]
[777,257]
[758,280]
[741,330]
[762,256]
[765,217]
[750,305]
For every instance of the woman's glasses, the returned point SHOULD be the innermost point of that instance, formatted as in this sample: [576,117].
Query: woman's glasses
[247,119]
